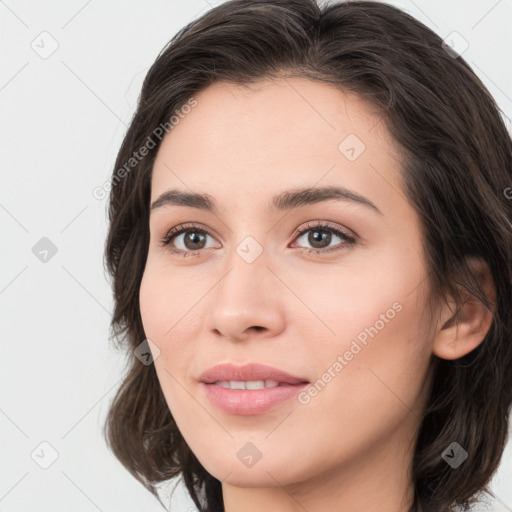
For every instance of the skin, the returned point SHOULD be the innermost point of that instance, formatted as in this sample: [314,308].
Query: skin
[351,446]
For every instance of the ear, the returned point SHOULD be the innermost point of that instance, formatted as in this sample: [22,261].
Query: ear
[460,332]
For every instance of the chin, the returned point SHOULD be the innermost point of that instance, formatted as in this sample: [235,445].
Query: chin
[264,473]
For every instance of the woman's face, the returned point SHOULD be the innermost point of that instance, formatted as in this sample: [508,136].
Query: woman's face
[347,317]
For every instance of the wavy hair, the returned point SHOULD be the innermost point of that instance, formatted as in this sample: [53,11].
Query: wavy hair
[456,168]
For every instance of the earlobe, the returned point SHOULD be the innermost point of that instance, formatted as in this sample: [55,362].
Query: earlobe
[462,329]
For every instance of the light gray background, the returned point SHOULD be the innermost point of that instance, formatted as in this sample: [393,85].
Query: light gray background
[63,119]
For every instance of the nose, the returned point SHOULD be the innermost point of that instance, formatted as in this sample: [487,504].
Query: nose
[246,302]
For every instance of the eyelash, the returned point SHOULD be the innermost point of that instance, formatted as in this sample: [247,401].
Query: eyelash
[319,226]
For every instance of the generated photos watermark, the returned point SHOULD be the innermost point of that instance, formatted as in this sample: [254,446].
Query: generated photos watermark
[357,345]
[101,191]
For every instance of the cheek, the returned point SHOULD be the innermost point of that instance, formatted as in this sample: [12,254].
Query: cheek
[370,297]
[166,302]
[154,305]
[167,324]
[163,316]
[370,375]
[373,349]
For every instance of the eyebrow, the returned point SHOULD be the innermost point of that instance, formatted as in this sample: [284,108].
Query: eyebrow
[286,200]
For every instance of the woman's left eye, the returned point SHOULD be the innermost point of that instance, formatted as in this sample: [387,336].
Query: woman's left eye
[319,234]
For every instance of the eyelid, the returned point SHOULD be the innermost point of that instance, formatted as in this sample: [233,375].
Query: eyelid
[319,224]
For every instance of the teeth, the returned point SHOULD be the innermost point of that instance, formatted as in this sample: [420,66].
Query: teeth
[249,384]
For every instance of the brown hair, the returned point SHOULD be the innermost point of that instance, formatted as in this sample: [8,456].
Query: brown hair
[456,169]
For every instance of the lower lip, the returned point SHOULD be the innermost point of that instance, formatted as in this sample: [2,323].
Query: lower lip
[250,401]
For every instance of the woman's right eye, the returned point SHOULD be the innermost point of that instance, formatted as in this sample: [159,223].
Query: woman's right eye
[192,241]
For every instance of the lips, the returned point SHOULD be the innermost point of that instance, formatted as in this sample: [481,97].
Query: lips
[250,389]
[249,372]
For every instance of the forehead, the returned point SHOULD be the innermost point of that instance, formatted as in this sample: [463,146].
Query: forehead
[286,132]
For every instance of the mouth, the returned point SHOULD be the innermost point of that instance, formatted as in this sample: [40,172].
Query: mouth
[249,384]
[252,375]
[251,389]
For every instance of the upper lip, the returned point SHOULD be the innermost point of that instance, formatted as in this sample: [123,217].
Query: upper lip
[251,371]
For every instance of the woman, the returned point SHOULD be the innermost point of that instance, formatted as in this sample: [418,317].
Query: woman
[310,245]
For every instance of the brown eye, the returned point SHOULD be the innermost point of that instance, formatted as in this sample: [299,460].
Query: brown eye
[186,240]
[194,240]
[320,236]
[319,239]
